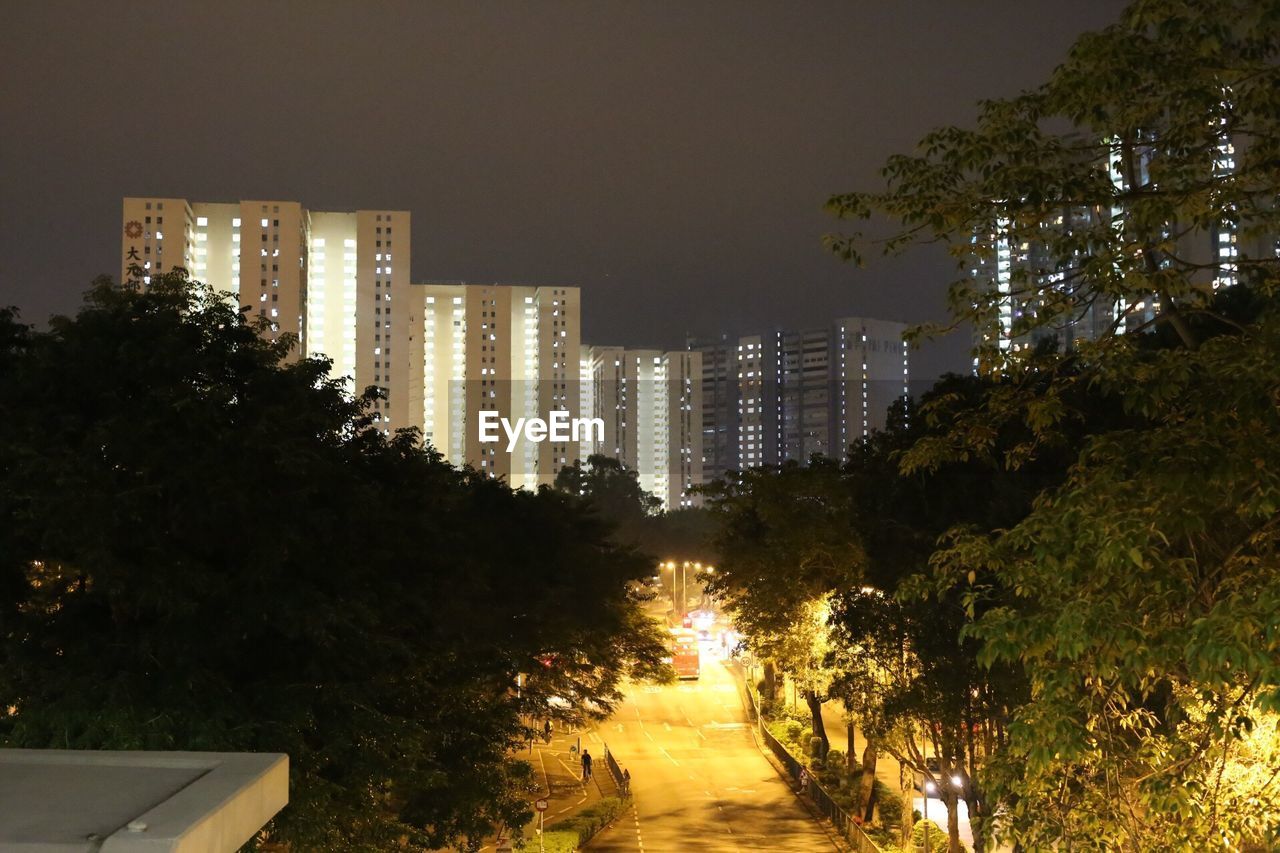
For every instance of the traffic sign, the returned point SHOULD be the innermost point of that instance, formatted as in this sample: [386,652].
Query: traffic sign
[541,805]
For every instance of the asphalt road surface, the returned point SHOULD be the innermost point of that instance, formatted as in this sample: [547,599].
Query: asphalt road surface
[699,781]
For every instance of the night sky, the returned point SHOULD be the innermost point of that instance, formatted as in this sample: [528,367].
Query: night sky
[670,158]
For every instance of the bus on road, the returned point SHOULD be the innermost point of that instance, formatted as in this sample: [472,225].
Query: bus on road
[685,657]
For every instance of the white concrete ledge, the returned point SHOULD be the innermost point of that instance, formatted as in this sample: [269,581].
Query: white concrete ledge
[69,801]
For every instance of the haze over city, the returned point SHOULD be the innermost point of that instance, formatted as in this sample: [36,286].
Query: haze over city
[491,426]
[671,161]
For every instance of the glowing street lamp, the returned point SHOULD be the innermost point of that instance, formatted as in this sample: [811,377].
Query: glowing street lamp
[929,788]
[707,570]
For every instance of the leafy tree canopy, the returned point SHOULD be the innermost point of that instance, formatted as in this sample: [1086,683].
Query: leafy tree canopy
[204,545]
[1137,594]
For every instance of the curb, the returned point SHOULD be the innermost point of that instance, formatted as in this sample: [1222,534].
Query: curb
[838,842]
[835,838]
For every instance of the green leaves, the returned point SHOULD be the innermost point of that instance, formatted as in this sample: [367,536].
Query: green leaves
[203,545]
[1088,218]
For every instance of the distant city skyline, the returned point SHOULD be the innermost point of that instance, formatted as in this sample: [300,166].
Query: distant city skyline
[670,162]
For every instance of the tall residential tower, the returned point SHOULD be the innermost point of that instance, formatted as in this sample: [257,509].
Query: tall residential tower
[650,402]
[338,282]
[786,396]
[506,349]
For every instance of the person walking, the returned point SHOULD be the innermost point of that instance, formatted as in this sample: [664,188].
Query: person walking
[586,765]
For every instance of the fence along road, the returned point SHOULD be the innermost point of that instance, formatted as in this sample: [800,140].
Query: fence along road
[810,787]
[698,780]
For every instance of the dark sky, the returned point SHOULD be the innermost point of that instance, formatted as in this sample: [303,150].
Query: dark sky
[670,158]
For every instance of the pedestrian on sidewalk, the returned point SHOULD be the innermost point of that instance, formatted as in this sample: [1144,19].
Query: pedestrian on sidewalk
[626,782]
[546,732]
[586,765]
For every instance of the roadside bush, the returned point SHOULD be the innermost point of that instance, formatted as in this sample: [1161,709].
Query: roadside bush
[888,804]
[794,729]
[843,797]
[586,823]
[559,841]
[830,777]
[937,838]
[815,748]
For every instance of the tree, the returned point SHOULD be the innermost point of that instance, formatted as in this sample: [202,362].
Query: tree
[1121,594]
[1142,598]
[612,491]
[687,533]
[610,486]
[901,664]
[785,541]
[1107,187]
[205,545]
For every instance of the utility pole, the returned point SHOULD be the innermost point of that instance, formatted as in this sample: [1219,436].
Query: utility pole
[924,823]
[684,588]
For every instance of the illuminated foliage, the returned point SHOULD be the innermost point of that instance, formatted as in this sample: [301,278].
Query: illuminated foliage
[1140,594]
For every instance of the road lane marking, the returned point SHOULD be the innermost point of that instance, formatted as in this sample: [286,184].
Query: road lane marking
[546,780]
[668,755]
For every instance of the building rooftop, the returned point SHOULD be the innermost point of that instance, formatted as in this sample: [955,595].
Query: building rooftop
[69,801]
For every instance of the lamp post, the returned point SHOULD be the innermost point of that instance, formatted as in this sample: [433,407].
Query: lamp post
[684,589]
[671,566]
[928,789]
[681,604]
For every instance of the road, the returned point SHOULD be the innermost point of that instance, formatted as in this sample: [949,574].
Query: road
[699,781]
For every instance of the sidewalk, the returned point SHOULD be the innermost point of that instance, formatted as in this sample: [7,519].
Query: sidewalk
[887,767]
[558,767]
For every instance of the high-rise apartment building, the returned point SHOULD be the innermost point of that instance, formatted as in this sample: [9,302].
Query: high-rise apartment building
[445,356]
[1033,281]
[650,403]
[780,396]
[338,282]
[507,349]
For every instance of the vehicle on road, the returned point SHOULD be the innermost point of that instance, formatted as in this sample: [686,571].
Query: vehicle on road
[686,658]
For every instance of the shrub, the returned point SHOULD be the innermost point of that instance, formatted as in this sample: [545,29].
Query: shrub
[835,758]
[586,823]
[888,804]
[886,839]
[559,841]
[844,799]
[793,730]
[815,747]
[937,838]
[830,777]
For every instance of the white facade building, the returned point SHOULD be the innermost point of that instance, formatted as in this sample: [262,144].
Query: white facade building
[650,403]
[500,348]
[338,282]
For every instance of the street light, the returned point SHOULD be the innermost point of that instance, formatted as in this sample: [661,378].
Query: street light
[684,588]
[671,566]
[929,788]
[708,570]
